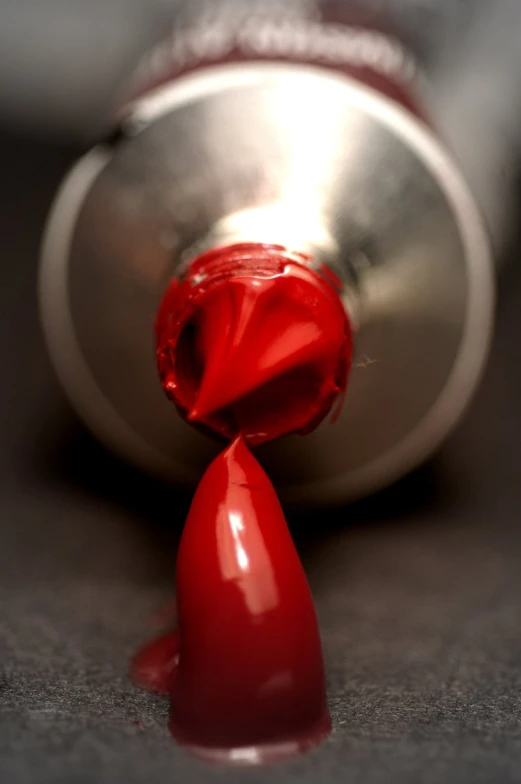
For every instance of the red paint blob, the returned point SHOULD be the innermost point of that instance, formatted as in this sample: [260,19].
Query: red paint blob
[253,341]
[250,683]
[245,672]
[154,666]
[252,344]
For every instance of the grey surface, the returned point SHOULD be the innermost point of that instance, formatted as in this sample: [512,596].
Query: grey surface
[418,590]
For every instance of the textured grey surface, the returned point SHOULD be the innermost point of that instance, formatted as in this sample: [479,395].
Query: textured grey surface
[418,590]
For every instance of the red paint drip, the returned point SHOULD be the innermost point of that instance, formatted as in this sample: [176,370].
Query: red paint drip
[253,341]
[154,666]
[252,344]
[250,681]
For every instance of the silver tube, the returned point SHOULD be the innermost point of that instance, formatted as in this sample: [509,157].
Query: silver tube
[293,127]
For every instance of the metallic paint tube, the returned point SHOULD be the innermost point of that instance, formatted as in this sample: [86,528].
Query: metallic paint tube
[310,125]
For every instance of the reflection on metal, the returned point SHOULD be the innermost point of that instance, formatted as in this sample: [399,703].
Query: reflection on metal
[293,155]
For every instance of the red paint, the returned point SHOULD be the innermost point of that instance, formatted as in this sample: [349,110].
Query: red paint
[252,344]
[253,341]
[154,666]
[250,672]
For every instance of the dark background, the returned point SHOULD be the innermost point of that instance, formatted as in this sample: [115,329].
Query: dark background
[418,589]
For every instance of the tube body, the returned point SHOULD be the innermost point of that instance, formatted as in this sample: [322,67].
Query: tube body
[315,126]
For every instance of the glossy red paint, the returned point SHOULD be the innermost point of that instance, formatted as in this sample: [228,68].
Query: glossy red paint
[154,666]
[250,683]
[252,344]
[253,341]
